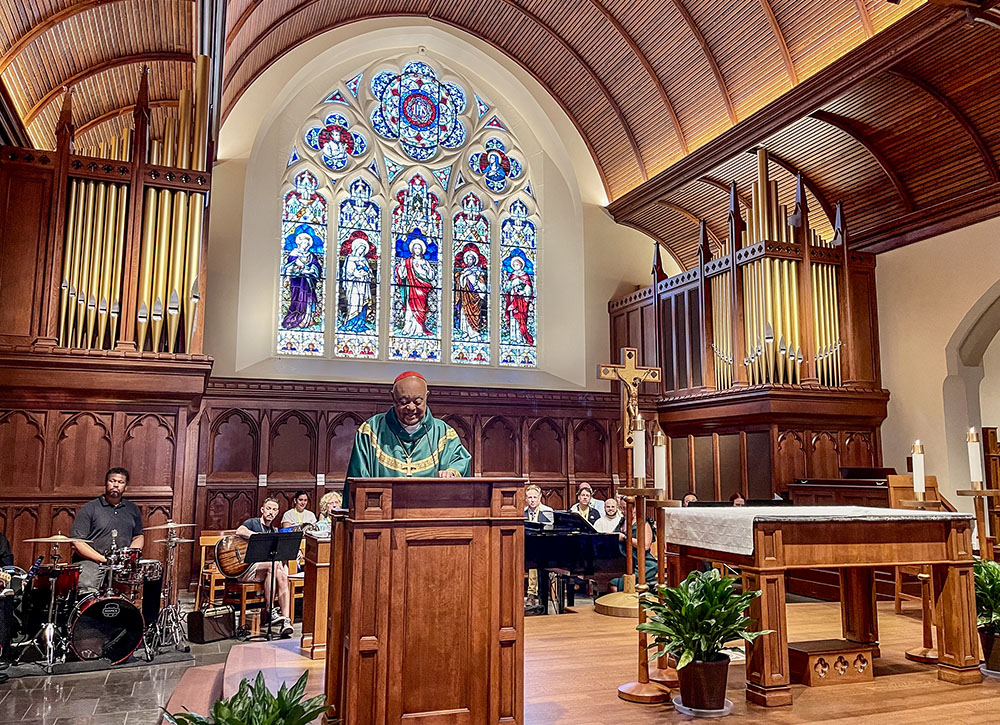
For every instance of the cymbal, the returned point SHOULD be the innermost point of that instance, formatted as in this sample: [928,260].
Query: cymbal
[169,525]
[59,539]
[174,541]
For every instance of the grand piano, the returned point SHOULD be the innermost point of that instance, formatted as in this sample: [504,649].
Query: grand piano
[569,544]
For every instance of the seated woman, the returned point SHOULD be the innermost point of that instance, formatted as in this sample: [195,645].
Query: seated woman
[737,499]
[617,584]
[583,506]
[329,501]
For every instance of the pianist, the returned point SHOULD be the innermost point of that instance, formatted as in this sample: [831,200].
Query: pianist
[536,511]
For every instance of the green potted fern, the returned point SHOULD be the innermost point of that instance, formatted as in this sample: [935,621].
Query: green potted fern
[693,622]
[255,704]
[987,575]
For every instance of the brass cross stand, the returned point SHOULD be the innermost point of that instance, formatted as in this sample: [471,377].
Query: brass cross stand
[631,376]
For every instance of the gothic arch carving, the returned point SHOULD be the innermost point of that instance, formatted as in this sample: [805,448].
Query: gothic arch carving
[501,448]
[546,448]
[234,444]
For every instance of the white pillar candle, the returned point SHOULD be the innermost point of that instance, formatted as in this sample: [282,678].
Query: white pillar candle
[918,468]
[975,457]
[639,448]
[660,461]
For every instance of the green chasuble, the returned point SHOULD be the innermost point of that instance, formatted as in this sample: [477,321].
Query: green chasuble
[382,447]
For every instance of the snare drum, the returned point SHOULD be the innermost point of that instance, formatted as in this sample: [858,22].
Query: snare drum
[66,579]
[125,564]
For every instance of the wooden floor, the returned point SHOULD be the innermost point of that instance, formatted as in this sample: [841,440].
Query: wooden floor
[575,662]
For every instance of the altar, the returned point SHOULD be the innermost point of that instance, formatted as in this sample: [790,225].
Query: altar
[766,542]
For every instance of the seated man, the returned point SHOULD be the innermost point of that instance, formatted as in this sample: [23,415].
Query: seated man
[108,522]
[407,440]
[612,520]
[261,572]
[689,498]
[300,515]
[594,501]
[535,510]
[583,506]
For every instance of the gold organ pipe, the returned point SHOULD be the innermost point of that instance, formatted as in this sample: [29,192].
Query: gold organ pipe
[114,300]
[83,189]
[199,143]
[769,320]
[83,287]
[162,256]
[836,320]
[146,255]
[196,203]
[818,323]
[774,222]
[831,336]
[110,229]
[184,130]
[97,258]
[175,287]
[169,143]
[67,269]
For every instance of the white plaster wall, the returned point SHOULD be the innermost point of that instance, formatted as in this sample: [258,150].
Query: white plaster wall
[989,389]
[930,295]
[585,258]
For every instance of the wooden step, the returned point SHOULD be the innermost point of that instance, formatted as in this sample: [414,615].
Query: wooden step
[198,689]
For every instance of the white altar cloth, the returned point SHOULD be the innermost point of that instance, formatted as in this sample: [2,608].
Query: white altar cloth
[730,529]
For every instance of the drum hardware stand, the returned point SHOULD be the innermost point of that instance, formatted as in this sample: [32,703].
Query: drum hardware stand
[49,639]
[168,630]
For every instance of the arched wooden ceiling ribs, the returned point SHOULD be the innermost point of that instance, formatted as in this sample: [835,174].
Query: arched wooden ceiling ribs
[725,187]
[846,126]
[115,112]
[641,57]
[792,169]
[238,24]
[693,27]
[692,217]
[94,70]
[779,37]
[48,23]
[866,20]
[596,78]
[984,151]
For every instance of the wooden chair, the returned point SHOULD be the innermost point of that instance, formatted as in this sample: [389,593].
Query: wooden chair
[901,489]
[242,596]
[210,579]
[296,584]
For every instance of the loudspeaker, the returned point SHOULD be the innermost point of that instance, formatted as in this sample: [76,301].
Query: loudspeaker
[211,625]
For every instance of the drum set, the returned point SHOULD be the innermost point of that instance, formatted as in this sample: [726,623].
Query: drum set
[134,604]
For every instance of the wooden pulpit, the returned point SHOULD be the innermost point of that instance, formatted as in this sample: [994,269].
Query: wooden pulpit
[426,618]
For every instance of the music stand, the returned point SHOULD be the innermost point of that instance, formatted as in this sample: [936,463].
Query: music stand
[273,548]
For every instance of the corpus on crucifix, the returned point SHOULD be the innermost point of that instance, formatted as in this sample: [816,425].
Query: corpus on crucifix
[631,376]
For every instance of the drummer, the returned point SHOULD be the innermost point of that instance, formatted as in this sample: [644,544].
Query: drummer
[108,522]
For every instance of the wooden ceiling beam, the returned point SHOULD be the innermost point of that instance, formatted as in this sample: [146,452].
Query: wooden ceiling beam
[663,244]
[779,37]
[866,20]
[240,21]
[116,112]
[964,121]
[138,58]
[691,217]
[641,57]
[811,185]
[712,62]
[725,187]
[906,36]
[44,25]
[850,128]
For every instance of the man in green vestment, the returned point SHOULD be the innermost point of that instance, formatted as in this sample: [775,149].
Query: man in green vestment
[407,440]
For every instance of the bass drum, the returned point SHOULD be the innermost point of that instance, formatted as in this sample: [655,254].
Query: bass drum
[105,627]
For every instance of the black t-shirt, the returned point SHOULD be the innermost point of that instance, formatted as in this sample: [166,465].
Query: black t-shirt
[105,524]
[257,526]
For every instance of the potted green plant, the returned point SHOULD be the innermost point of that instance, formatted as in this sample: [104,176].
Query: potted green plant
[987,575]
[693,622]
[255,704]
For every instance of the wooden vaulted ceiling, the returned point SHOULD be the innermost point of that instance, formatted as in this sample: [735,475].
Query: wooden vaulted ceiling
[657,88]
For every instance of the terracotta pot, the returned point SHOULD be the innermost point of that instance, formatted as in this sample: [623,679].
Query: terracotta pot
[991,650]
[703,684]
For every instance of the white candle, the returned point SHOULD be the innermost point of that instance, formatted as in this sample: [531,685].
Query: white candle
[918,468]
[660,461]
[639,448]
[975,457]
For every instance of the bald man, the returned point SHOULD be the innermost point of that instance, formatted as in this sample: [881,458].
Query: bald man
[407,440]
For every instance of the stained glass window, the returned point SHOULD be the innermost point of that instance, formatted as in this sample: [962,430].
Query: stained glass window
[495,166]
[518,275]
[359,254]
[335,142]
[470,332]
[415,332]
[301,307]
[420,110]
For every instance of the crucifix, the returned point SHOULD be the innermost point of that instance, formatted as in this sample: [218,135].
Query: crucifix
[631,376]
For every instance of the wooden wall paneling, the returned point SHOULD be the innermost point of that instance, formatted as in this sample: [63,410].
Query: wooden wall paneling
[744,467]
[22,440]
[502,448]
[717,467]
[693,336]
[546,449]
[704,467]
[464,428]
[149,450]
[233,446]
[292,447]
[83,448]
[857,449]
[339,443]
[823,459]
[589,449]
[864,304]
[25,218]
[790,458]
[668,353]
[23,522]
